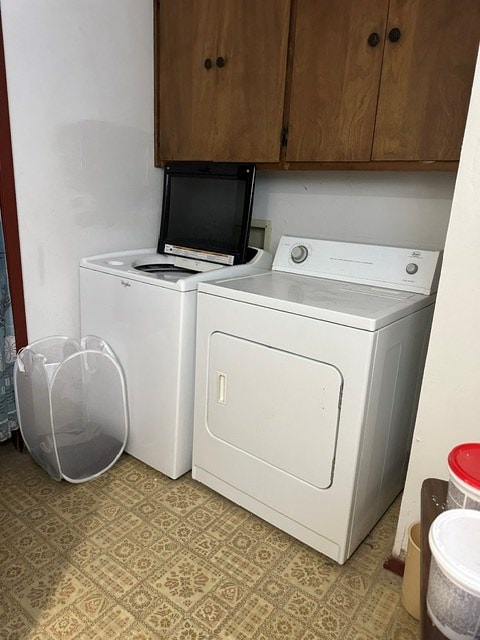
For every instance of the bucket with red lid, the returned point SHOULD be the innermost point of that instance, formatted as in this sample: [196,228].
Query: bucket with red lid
[464,481]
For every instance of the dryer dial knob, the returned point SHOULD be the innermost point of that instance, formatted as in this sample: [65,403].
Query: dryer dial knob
[411,268]
[299,253]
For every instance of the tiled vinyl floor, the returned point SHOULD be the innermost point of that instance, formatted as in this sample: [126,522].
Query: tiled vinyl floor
[135,556]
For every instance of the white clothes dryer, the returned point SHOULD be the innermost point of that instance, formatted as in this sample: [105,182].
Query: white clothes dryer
[147,316]
[307,382]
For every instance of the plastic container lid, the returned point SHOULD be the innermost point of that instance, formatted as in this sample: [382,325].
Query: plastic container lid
[454,540]
[464,462]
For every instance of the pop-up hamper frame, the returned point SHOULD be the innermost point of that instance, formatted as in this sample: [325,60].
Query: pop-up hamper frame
[72,406]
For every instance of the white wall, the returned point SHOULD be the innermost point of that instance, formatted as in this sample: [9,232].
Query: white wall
[448,411]
[80,78]
[404,209]
[80,91]
[80,81]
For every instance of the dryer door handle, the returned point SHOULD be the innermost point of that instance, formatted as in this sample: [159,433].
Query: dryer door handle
[221,387]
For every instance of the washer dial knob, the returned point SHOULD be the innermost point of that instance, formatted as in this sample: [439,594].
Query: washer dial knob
[299,253]
[411,268]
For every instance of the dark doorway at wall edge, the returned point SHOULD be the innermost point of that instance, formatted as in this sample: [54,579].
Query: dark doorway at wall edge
[8,207]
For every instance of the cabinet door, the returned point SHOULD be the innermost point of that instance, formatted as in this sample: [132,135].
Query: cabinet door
[233,110]
[335,79]
[426,80]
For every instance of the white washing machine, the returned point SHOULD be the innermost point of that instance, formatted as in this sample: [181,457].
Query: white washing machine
[148,318]
[307,382]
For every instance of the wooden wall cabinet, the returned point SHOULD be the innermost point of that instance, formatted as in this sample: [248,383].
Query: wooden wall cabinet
[220,79]
[354,83]
[426,79]
[335,79]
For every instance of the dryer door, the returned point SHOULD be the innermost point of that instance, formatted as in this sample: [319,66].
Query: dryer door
[280,407]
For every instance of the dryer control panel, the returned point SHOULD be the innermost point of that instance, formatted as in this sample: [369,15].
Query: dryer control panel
[401,268]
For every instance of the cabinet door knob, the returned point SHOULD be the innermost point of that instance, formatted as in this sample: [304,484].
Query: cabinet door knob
[207,64]
[394,34]
[220,61]
[373,39]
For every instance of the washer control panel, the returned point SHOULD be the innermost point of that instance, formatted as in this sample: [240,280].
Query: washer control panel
[414,270]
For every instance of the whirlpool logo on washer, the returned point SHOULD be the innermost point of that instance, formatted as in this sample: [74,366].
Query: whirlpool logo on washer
[416,254]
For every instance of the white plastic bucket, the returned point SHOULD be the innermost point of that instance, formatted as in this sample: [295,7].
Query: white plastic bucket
[464,481]
[453,598]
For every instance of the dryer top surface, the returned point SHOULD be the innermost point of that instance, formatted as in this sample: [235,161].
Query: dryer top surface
[354,305]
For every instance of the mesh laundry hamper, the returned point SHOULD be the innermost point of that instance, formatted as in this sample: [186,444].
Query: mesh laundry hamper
[72,406]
